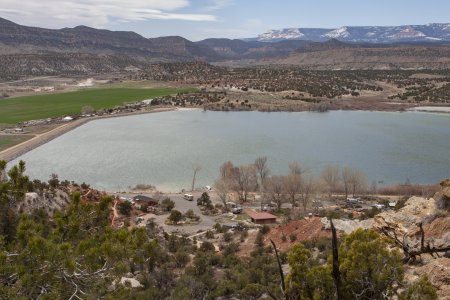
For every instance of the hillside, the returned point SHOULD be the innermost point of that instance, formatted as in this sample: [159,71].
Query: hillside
[33,51]
[341,56]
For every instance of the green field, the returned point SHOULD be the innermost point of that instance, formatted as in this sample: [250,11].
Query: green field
[27,108]
[7,141]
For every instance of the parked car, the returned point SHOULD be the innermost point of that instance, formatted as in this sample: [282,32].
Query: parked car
[231,204]
[379,206]
[354,200]
[188,197]
[237,210]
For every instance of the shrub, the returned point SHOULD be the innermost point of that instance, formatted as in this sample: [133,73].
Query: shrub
[125,208]
[144,208]
[264,229]
[209,234]
[229,249]
[167,204]
[227,236]
[175,216]
[191,215]
[207,246]
[204,200]
[259,241]
[181,258]
[420,289]
[293,237]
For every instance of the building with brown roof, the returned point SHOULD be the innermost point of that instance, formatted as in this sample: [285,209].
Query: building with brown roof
[262,217]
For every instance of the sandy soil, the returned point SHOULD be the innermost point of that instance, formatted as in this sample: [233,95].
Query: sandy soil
[440,109]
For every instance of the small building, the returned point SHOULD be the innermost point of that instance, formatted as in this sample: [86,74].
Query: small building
[262,217]
[141,200]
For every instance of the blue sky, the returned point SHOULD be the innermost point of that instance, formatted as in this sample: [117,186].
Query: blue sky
[199,19]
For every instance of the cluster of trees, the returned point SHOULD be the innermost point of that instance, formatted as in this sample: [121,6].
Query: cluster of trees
[362,267]
[176,216]
[75,254]
[189,99]
[297,186]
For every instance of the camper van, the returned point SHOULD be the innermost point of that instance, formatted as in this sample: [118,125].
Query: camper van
[188,197]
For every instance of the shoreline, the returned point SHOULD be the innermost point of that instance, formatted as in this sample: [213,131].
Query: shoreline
[15,151]
[430,109]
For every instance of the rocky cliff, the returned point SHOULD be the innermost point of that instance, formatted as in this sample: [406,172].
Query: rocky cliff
[422,229]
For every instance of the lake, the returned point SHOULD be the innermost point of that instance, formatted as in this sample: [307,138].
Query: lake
[162,148]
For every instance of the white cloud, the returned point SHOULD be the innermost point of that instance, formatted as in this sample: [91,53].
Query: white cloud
[219,4]
[97,13]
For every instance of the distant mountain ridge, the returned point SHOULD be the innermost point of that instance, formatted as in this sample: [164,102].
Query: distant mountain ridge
[33,51]
[434,32]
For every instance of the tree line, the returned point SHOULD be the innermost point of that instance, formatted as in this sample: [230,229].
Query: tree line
[297,187]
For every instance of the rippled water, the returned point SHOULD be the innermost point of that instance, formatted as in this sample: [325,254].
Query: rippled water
[161,148]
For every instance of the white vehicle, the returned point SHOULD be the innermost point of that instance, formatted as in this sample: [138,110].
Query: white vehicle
[353,200]
[379,206]
[188,197]
[208,188]
[237,210]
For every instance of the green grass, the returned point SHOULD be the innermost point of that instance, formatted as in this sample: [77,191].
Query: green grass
[7,141]
[27,108]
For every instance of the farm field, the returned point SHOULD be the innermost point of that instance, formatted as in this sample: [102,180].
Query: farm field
[15,110]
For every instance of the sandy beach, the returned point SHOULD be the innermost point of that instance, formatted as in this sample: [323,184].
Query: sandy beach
[440,109]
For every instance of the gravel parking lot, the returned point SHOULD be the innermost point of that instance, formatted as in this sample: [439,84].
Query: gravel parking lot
[181,204]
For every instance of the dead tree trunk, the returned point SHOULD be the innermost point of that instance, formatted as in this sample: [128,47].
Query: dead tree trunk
[196,170]
[336,272]
[412,253]
[283,286]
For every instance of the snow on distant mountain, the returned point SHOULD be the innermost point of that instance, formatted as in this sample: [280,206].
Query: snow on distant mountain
[339,33]
[363,34]
[284,34]
[407,33]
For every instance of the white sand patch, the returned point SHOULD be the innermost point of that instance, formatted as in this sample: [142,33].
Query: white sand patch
[442,109]
[87,82]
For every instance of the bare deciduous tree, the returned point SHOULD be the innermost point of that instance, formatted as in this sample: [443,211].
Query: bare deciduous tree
[87,110]
[246,180]
[292,186]
[222,188]
[358,182]
[354,180]
[226,170]
[275,188]
[346,179]
[308,188]
[262,169]
[295,168]
[331,175]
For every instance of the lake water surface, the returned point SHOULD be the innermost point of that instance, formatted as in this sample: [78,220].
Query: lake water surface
[161,148]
